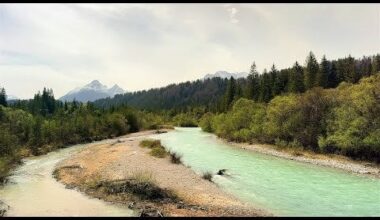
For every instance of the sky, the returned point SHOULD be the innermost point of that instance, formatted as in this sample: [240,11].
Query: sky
[140,46]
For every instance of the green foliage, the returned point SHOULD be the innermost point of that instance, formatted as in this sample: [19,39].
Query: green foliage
[185,120]
[3,97]
[311,71]
[345,120]
[150,143]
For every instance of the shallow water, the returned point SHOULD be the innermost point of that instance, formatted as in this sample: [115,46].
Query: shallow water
[33,191]
[282,187]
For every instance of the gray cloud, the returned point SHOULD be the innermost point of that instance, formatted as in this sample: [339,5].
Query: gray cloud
[139,46]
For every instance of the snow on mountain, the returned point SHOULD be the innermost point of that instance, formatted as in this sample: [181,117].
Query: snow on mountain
[91,92]
[225,74]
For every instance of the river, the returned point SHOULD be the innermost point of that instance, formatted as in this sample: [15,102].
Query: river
[280,186]
[283,187]
[33,191]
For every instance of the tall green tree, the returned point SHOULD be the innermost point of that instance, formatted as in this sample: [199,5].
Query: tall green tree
[265,87]
[3,97]
[323,73]
[296,83]
[276,83]
[253,83]
[349,70]
[332,79]
[311,71]
[230,93]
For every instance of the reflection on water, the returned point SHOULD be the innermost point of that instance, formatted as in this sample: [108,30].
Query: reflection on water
[283,187]
[33,191]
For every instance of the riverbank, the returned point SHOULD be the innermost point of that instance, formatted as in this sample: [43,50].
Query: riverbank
[328,160]
[101,170]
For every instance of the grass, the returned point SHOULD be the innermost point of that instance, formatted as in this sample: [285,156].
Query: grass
[141,184]
[159,152]
[207,176]
[175,158]
[150,143]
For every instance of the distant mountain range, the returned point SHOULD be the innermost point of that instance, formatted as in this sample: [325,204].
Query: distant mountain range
[11,97]
[225,74]
[91,92]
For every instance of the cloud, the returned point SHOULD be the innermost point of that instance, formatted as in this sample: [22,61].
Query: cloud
[140,46]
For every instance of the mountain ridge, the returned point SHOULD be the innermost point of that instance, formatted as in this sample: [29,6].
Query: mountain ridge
[93,91]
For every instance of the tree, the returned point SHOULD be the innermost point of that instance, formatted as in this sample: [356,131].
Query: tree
[296,79]
[265,87]
[323,73]
[311,71]
[230,92]
[332,79]
[349,70]
[253,83]
[3,97]
[276,83]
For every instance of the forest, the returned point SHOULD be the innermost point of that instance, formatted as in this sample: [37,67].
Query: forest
[43,124]
[331,106]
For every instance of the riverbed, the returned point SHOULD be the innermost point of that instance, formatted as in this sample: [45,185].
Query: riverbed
[32,191]
[283,187]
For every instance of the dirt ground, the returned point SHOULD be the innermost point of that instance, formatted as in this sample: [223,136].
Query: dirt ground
[124,157]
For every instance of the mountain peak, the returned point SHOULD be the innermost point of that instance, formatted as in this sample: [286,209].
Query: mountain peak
[225,74]
[91,92]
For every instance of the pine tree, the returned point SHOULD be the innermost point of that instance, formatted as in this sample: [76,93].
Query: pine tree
[3,97]
[275,81]
[253,83]
[323,73]
[295,79]
[332,80]
[350,72]
[265,87]
[311,71]
[230,93]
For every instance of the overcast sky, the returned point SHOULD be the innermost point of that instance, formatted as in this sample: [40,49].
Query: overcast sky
[139,46]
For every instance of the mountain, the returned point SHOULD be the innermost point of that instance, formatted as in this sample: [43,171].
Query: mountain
[225,74]
[91,92]
[11,97]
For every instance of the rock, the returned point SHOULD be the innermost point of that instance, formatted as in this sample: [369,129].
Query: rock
[160,132]
[150,212]
[131,205]
[3,208]
[221,172]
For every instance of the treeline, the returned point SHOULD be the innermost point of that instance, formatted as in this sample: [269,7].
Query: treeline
[37,126]
[175,97]
[217,95]
[344,120]
[297,79]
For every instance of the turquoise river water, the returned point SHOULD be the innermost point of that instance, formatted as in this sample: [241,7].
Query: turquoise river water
[282,187]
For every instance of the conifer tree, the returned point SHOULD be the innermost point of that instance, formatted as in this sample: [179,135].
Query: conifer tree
[3,97]
[296,84]
[311,71]
[323,73]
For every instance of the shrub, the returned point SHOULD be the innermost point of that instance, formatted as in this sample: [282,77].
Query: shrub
[207,176]
[175,158]
[150,143]
[159,152]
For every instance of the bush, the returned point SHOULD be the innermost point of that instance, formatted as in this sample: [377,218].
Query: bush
[175,158]
[150,143]
[159,152]
[207,176]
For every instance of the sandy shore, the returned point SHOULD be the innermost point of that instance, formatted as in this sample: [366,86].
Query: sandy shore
[328,160]
[119,159]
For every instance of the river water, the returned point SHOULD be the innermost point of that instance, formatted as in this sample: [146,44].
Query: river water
[33,191]
[280,186]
